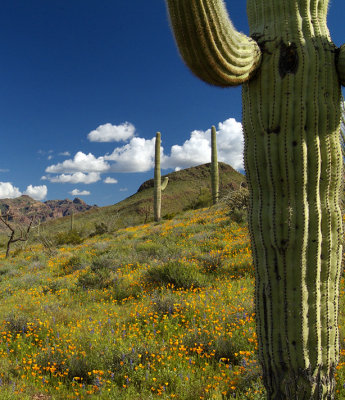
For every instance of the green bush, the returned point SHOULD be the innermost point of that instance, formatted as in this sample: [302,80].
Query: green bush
[212,262]
[204,199]
[169,216]
[95,280]
[17,323]
[237,202]
[175,273]
[73,264]
[100,229]
[105,261]
[167,303]
[70,237]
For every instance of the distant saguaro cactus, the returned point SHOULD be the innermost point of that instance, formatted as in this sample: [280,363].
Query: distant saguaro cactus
[158,186]
[214,166]
[291,74]
[72,221]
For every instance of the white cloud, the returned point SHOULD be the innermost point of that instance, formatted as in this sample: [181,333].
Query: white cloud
[197,149]
[194,151]
[65,154]
[112,133]
[123,189]
[37,192]
[81,162]
[76,192]
[77,177]
[230,143]
[8,191]
[136,156]
[4,170]
[110,180]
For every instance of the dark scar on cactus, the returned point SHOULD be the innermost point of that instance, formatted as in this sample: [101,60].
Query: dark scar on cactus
[275,130]
[288,59]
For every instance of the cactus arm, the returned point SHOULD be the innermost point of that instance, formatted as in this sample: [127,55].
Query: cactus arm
[165,183]
[209,44]
[214,166]
[341,64]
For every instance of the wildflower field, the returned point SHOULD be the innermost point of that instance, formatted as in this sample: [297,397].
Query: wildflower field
[152,311]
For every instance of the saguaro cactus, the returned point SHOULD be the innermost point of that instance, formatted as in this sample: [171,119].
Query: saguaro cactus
[158,186]
[72,221]
[291,74]
[214,166]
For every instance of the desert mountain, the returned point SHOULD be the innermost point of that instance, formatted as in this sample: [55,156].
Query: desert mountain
[23,208]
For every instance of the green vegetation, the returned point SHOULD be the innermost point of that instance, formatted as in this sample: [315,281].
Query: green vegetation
[144,312]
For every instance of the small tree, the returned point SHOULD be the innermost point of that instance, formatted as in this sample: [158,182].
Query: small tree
[23,234]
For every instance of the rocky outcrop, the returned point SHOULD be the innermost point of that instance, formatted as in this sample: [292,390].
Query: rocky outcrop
[23,208]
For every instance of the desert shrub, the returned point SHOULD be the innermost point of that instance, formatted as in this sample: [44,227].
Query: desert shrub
[48,244]
[220,347]
[4,270]
[100,229]
[71,237]
[104,261]
[52,287]
[73,264]
[212,262]
[149,249]
[239,216]
[167,303]
[176,273]
[95,280]
[204,199]
[169,216]
[237,202]
[121,290]
[17,323]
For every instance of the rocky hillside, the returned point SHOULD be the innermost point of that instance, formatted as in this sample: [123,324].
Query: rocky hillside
[23,208]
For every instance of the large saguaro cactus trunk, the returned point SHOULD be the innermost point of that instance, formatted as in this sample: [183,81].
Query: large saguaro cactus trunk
[291,74]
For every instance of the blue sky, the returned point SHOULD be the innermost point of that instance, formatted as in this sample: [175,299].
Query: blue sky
[75,73]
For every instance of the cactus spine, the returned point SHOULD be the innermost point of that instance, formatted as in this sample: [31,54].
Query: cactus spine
[158,186]
[291,74]
[214,166]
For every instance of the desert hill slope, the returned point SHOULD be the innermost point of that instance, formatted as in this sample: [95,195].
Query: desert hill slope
[184,189]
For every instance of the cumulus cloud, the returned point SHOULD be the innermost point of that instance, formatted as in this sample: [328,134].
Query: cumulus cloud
[197,149]
[81,162]
[77,192]
[230,143]
[8,191]
[77,177]
[135,156]
[110,180]
[112,133]
[37,192]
